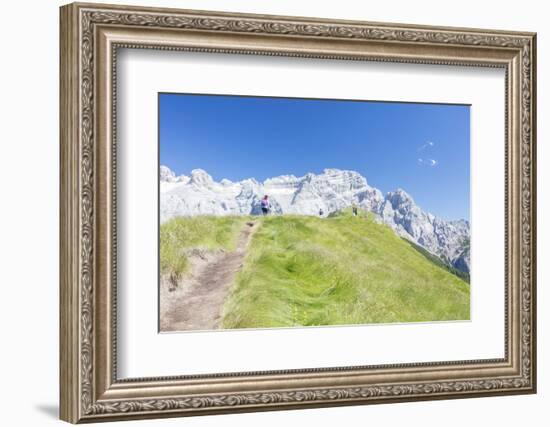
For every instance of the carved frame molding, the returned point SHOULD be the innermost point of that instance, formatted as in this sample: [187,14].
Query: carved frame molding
[90,37]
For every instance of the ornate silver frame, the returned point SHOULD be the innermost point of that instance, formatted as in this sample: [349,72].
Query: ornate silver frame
[90,36]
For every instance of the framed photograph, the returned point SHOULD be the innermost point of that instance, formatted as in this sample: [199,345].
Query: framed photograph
[266,212]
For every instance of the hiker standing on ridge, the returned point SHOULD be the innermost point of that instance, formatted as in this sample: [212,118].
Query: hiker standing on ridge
[354,209]
[265,205]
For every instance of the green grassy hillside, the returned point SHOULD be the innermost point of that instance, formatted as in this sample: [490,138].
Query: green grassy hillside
[302,271]
[339,270]
[179,235]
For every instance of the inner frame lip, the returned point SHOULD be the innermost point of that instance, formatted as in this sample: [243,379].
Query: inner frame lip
[466,364]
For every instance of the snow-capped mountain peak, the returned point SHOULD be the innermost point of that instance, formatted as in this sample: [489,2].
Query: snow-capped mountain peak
[200,177]
[168,176]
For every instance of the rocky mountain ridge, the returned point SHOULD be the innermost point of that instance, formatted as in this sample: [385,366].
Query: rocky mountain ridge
[330,191]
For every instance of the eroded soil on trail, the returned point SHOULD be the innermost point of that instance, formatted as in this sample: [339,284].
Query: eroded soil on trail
[197,300]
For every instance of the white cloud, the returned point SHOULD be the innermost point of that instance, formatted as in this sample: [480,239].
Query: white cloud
[428,162]
[428,144]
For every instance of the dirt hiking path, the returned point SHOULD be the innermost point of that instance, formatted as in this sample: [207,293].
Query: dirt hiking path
[198,300]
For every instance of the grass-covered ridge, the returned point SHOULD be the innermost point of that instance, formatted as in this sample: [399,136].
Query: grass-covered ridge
[179,235]
[303,271]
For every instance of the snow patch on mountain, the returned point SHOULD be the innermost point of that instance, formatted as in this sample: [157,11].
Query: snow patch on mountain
[330,191]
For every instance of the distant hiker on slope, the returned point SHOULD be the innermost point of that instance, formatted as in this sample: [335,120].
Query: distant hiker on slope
[321,213]
[354,210]
[265,205]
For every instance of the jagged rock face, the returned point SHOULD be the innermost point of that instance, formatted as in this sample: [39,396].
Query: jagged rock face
[200,194]
[330,191]
[462,261]
[446,239]
[166,175]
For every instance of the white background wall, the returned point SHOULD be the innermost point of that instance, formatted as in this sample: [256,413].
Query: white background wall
[29,171]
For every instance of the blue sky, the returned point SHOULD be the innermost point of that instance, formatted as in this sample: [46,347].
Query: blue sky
[422,148]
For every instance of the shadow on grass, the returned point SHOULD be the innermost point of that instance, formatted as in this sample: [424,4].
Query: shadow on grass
[436,260]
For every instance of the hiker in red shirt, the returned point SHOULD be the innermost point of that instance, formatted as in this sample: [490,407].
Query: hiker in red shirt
[265,205]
